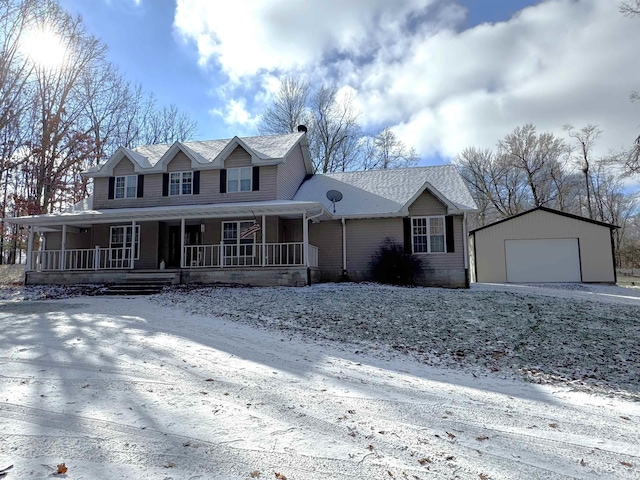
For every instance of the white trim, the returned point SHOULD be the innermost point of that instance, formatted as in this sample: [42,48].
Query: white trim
[126,187]
[183,223]
[428,219]
[174,212]
[124,237]
[239,180]
[63,245]
[181,184]
[263,233]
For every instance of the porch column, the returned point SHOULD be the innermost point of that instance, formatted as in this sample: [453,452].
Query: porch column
[29,248]
[182,229]
[63,247]
[133,244]
[264,241]
[305,240]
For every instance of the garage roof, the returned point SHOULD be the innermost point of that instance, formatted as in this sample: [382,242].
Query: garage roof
[549,210]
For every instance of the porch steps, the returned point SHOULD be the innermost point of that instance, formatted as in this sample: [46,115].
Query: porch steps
[136,284]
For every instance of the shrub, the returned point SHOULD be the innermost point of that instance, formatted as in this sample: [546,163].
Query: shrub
[392,265]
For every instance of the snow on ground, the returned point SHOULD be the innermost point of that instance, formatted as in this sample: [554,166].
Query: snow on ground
[322,382]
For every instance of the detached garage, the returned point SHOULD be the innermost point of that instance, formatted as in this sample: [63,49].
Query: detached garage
[543,246]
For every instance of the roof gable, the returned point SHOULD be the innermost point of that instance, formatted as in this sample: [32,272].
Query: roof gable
[548,210]
[210,154]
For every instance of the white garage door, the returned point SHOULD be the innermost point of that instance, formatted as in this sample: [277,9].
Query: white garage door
[544,260]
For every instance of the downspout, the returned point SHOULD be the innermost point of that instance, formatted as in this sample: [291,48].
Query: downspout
[465,249]
[344,248]
[305,234]
[613,256]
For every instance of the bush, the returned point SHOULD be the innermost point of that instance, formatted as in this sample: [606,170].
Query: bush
[390,264]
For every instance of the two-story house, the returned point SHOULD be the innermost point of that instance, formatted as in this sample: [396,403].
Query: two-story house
[248,210]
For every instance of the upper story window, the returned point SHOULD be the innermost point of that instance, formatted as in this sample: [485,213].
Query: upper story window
[428,235]
[126,186]
[180,183]
[239,179]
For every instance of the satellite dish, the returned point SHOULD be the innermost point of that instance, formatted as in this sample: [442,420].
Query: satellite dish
[334,196]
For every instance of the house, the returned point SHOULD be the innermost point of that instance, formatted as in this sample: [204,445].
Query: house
[247,210]
[543,245]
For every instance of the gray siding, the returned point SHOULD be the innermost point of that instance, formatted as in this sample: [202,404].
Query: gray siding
[74,240]
[364,237]
[427,204]
[290,175]
[209,185]
[327,236]
[596,261]
[452,260]
[124,167]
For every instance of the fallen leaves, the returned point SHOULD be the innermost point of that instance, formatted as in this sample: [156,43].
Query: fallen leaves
[483,476]
[255,474]
[62,469]
[424,461]
[280,476]
[553,425]
[482,438]
[626,464]
[451,435]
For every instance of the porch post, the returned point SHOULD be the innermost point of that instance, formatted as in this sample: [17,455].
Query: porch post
[133,244]
[182,229]
[305,240]
[264,241]
[63,247]
[29,248]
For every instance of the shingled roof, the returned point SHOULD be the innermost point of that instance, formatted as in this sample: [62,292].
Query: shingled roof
[264,149]
[387,192]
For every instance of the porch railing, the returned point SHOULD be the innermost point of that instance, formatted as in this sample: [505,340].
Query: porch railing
[243,255]
[195,256]
[81,259]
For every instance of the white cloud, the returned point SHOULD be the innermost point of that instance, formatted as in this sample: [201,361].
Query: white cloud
[236,114]
[411,67]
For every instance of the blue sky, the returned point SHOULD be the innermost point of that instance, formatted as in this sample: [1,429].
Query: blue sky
[443,74]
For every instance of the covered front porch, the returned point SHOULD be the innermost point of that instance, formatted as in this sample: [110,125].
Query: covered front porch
[261,243]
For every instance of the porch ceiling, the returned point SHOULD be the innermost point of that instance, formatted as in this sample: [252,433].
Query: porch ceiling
[284,208]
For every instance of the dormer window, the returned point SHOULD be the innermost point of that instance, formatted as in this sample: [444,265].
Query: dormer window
[239,179]
[126,186]
[181,183]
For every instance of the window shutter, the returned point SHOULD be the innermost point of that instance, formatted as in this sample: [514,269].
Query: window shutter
[223,181]
[256,179]
[196,182]
[165,184]
[406,223]
[112,187]
[140,189]
[448,225]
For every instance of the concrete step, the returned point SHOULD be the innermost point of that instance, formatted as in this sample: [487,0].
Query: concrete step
[135,288]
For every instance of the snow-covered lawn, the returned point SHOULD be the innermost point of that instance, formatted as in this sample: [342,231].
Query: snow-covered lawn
[322,382]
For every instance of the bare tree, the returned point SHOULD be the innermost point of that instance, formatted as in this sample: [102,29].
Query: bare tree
[630,8]
[585,138]
[385,151]
[289,108]
[536,156]
[333,122]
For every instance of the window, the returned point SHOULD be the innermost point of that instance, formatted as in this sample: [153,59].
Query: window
[238,251]
[120,243]
[239,179]
[126,187]
[428,234]
[181,183]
